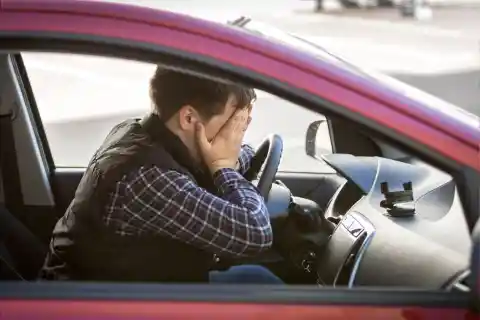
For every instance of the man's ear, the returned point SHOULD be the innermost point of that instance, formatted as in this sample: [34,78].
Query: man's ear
[187,117]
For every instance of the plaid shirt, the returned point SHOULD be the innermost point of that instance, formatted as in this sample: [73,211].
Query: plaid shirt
[168,203]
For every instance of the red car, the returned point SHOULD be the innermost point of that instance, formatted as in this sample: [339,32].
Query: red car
[392,231]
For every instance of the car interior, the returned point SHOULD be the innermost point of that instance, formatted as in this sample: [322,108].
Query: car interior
[380,218]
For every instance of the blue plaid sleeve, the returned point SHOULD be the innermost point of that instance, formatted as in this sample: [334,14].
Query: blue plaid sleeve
[168,203]
[245,158]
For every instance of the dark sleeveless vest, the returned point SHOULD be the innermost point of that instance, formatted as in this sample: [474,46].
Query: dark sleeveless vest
[84,248]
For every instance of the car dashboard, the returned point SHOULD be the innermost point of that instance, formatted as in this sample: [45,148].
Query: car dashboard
[418,240]
[398,224]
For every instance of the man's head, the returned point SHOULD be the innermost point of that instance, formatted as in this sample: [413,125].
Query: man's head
[182,100]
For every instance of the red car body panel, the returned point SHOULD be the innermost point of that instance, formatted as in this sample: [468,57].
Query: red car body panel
[196,310]
[448,135]
[411,118]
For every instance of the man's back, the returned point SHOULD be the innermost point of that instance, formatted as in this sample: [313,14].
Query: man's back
[89,244]
[144,212]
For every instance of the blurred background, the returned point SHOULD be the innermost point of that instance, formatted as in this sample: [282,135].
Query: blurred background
[434,46]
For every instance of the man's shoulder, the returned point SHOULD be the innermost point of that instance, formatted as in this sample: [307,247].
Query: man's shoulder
[121,129]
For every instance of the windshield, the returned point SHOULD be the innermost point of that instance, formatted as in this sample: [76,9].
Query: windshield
[277,35]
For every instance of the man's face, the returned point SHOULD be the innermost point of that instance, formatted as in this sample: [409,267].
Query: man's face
[216,123]
[189,116]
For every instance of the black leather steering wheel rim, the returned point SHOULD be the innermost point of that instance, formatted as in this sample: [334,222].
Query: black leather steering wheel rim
[269,152]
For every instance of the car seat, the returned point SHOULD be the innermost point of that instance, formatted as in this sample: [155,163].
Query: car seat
[21,252]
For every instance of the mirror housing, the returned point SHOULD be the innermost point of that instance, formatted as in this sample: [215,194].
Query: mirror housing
[318,139]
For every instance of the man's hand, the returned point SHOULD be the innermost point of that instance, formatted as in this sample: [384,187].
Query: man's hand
[223,151]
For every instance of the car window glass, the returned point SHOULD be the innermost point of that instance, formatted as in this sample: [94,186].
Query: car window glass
[80,98]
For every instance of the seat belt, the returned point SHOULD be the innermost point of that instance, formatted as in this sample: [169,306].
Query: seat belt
[10,175]
[7,269]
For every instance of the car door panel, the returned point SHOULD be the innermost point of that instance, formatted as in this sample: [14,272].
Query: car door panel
[54,300]
[61,309]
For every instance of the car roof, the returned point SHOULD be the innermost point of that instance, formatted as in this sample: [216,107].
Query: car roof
[454,122]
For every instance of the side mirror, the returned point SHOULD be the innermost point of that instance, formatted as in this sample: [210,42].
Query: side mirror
[318,139]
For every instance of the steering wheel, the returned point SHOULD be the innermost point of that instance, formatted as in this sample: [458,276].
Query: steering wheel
[269,152]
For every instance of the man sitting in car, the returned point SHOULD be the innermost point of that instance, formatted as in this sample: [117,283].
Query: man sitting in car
[163,194]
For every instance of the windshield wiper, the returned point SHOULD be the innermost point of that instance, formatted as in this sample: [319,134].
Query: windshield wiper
[239,22]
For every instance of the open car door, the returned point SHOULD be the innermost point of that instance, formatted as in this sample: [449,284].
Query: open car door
[25,26]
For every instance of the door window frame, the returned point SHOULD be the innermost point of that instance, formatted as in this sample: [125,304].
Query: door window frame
[154,53]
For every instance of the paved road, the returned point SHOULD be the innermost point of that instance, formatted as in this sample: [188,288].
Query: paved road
[80,98]
[449,46]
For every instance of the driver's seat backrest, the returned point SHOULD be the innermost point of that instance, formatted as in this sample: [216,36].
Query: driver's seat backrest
[21,252]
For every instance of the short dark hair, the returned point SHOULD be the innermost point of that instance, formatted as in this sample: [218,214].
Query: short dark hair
[170,90]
